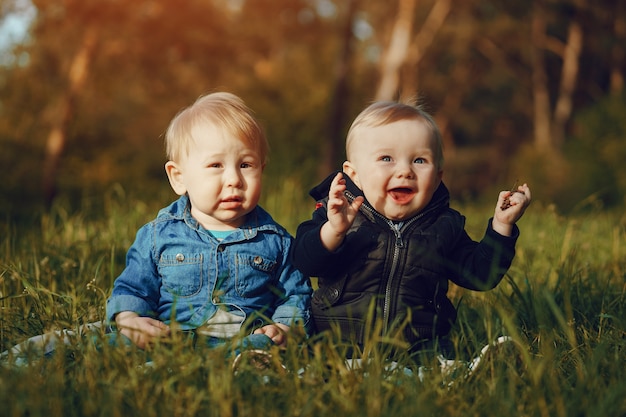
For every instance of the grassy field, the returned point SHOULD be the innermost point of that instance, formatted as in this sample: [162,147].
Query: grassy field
[563,301]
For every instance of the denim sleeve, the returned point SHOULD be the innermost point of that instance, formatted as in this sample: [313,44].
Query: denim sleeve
[296,301]
[137,288]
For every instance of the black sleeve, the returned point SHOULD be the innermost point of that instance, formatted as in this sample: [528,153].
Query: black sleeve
[482,265]
[308,254]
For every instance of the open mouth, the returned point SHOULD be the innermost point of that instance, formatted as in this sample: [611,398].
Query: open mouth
[401,195]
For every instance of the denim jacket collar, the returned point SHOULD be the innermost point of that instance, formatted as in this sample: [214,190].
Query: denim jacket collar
[257,220]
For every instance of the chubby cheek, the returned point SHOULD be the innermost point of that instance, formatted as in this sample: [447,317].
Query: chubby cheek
[375,181]
[255,192]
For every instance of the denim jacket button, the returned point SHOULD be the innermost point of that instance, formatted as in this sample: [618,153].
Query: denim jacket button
[180,257]
[258,260]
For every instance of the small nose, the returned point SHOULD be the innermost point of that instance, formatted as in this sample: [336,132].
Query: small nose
[233,177]
[405,171]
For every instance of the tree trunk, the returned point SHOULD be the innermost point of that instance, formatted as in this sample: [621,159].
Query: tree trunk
[77,74]
[550,126]
[403,53]
[452,101]
[569,76]
[541,97]
[617,50]
[338,103]
[424,39]
[397,51]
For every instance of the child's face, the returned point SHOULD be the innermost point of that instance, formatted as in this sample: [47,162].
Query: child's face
[222,176]
[395,166]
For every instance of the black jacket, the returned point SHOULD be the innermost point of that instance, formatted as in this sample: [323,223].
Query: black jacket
[396,277]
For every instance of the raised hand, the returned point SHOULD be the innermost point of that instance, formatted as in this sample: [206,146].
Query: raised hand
[510,208]
[340,212]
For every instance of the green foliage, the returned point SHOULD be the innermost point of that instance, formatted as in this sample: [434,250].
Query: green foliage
[597,151]
[589,173]
[563,300]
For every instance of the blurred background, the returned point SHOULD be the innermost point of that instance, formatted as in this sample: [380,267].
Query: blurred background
[525,90]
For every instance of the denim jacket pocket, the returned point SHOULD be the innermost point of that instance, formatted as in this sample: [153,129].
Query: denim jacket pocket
[181,273]
[254,274]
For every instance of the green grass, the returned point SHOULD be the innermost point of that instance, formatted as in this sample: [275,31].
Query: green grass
[564,301]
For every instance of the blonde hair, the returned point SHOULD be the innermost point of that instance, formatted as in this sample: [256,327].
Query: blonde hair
[223,110]
[382,113]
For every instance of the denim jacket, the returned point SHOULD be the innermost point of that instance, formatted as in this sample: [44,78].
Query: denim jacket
[174,265]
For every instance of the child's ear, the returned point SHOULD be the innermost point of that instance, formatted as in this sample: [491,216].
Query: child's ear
[350,171]
[175,175]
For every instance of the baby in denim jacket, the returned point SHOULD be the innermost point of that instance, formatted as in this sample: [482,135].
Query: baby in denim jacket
[213,262]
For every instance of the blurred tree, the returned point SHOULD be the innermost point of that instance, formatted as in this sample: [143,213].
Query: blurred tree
[396,53]
[405,50]
[97,83]
[338,102]
[76,77]
[289,74]
[597,151]
[550,124]
[618,54]
[502,79]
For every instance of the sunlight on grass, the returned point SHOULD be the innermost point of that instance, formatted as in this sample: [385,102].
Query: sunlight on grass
[563,303]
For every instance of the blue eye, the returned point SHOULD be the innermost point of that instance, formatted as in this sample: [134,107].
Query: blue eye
[385,158]
[420,161]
